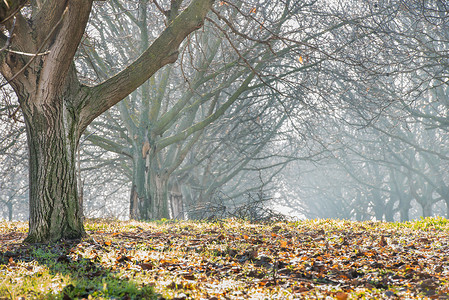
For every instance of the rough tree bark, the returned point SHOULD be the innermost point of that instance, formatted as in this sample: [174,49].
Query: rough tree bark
[159,195]
[138,195]
[38,64]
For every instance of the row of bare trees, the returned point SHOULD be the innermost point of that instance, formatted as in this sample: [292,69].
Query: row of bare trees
[394,165]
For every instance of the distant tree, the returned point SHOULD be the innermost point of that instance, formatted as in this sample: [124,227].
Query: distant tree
[13,186]
[13,175]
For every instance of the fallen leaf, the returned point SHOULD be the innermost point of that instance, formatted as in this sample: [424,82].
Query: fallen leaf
[189,276]
[146,266]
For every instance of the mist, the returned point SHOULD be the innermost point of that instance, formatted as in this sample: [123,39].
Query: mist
[272,111]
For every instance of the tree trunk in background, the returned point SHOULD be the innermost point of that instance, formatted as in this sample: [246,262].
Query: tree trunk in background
[404,207]
[447,207]
[379,211]
[389,212]
[427,209]
[139,201]
[80,186]
[176,202]
[134,203]
[149,197]
[10,210]
[158,191]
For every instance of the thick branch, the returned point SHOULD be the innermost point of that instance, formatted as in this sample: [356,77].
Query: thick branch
[108,145]
[47,17]
[164,50]
[62,51]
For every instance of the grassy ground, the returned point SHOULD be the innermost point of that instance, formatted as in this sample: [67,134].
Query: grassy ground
[231,259]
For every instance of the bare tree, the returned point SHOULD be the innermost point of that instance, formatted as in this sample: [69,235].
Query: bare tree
[38,62]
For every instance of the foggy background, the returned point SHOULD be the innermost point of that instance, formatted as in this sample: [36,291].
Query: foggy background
[318,109]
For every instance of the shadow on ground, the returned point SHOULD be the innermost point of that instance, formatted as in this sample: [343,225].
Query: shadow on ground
[64,270]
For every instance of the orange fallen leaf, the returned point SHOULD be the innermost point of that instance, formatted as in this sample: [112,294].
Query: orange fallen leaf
[341,296]
[263,282]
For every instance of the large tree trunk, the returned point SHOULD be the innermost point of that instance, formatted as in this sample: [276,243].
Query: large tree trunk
[49,96]
[52,139]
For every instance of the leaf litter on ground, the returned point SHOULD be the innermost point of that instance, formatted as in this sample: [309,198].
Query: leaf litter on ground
[231,259]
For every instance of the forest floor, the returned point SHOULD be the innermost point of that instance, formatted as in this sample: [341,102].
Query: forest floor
[231,259]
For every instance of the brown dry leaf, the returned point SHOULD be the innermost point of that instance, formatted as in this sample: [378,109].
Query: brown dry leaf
[341,296]
[253,254]
[146,266]
[189,276]
[220,237]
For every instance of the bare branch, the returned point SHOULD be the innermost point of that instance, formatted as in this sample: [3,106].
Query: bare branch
[164,50]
